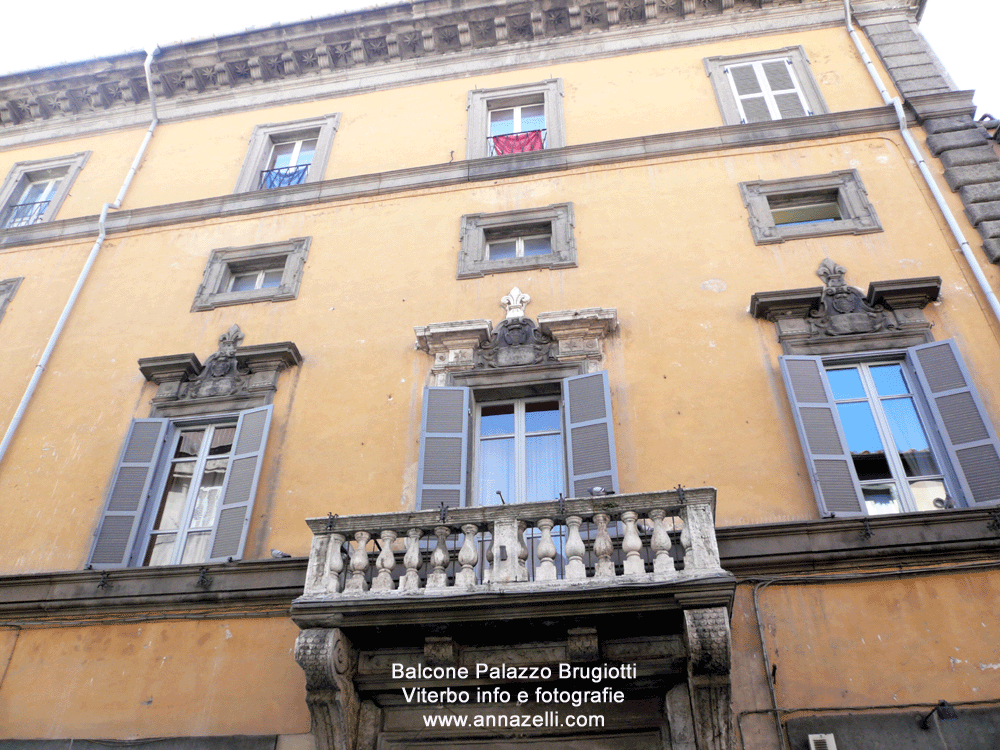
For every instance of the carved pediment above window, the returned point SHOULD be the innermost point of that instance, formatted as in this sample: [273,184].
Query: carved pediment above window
[233,377]
[517,341]
[840,318]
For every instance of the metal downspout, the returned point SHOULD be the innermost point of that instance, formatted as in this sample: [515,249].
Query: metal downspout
[85,272]
[918,157]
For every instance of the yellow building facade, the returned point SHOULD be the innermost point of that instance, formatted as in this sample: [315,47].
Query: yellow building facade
[655,337]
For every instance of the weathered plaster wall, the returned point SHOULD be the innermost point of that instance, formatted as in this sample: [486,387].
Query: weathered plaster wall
[224,677]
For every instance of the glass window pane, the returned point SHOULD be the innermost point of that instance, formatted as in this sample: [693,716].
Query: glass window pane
[190,443]
[196,547]
[541,416]
[272,279]
[496,471]
[889,380]
[244,282]
[881,499]
[161,549]
[537,246]
[909,436]
[34,192]
[496,419]
[845,383]
[501,122]
[306,152]
[533,117]
[222,440]
[543,467]
[863,441]
[501,250]
[929,494]
[209,492]
[174,496]
[281,156]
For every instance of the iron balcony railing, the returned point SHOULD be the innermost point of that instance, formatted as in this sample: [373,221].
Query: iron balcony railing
[516,143]
[659,536]
[23,214]
[283,177]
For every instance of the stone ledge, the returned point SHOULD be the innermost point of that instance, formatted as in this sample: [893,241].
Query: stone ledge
[857,122]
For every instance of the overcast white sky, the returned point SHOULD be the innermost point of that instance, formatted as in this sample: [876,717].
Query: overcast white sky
[964,33]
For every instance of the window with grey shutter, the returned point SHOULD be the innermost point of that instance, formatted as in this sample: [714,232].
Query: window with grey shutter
[766,90]
[240,486]
[969,437]
[831,467]
[590,436]
[133,481]
[444,448]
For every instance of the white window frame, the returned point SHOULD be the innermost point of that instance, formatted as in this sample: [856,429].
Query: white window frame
[265,137]
[259,277]
[23,174]
[729,101]
[518,240]
[520,479]
[482,101]
[766,92]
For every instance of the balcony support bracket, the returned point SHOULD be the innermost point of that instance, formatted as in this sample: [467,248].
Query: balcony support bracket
[330,663]
[709,645]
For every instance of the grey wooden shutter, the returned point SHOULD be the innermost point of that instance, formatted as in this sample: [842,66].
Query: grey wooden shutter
[962,421]
[590,434]
[444,448]
[831,467]
[240,486]
[128,493]
[749,95]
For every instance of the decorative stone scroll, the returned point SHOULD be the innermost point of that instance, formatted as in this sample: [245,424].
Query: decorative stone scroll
[330,663]
[709,643]
[557,337]
[233,376]
[839,318]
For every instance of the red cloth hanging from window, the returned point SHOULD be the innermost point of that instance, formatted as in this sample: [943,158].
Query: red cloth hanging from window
[518,143]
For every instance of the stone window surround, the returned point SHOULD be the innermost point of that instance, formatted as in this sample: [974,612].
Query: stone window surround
[265,136]
[472,260]
[857,213]
[715,66]
[225,262]
[481,101]
[65,167]
[8,288]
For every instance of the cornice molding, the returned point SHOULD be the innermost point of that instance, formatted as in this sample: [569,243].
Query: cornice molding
[377,49]
[856,122]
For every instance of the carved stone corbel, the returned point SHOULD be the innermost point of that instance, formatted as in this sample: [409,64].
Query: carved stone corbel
[708,639]
[330,663]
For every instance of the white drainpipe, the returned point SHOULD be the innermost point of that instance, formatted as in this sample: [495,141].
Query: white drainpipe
[918,157]
[102,232]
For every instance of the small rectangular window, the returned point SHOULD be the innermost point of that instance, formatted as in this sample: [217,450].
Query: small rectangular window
[517,240]
[260,273]
[814,206]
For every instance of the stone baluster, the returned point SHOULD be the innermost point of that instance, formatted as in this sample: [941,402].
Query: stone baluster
[335,562]
[632,545]
[522,553]
[603,548]
[546,552]
[411,560]
[488,568]
[701,551]
[468,557]
[438,579]
[359,563]
[316,571]
[385,562]
[575,549]
[660,543]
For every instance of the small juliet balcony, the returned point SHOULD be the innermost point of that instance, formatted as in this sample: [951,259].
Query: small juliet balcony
[283,177]
[583,550]
[23,214]
[516,143]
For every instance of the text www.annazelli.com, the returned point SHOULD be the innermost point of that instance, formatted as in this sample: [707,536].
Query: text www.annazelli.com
[514,721]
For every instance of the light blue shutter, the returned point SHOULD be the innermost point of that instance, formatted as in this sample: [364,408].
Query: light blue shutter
[129,491]
[240,486]
[590,434]
[962,421]
[831,467]
[444,448]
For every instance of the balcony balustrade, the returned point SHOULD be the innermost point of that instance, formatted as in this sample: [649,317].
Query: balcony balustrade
[658,536]
[283,177]
[23,214]
[516,143]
